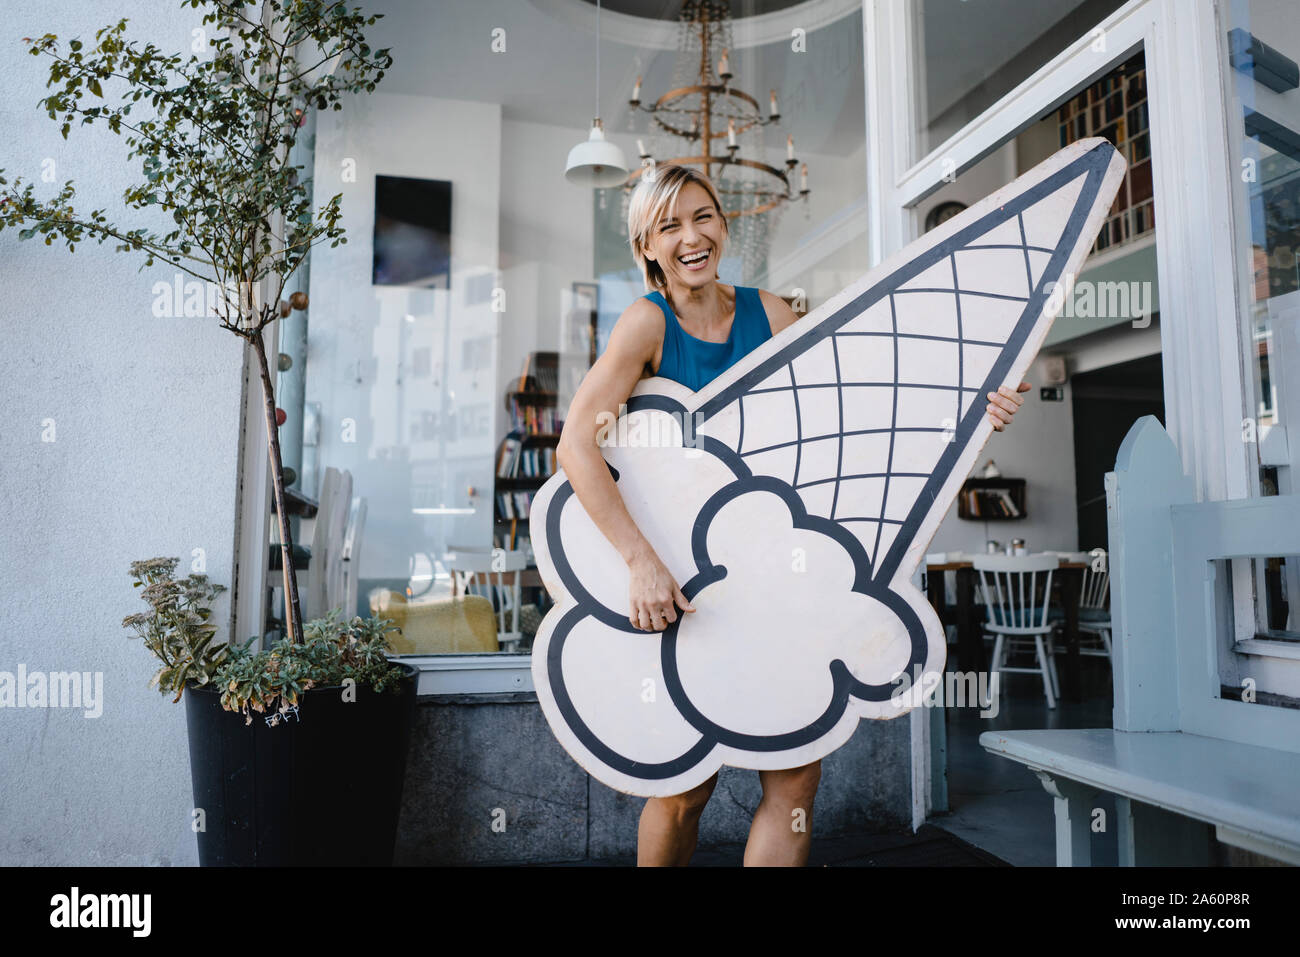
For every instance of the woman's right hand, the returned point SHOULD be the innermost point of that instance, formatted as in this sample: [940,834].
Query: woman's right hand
[654,594]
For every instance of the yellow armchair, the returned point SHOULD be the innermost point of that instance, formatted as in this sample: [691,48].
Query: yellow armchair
[443,625]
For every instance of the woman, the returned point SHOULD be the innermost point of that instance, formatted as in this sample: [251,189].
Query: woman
[689,328]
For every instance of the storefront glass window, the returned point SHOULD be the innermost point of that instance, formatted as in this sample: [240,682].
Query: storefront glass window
[971,53]
[1261,47]
[478,285]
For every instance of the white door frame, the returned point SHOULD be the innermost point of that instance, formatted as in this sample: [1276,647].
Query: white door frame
[1197,274]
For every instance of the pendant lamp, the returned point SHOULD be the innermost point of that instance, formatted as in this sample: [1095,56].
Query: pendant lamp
[596,163]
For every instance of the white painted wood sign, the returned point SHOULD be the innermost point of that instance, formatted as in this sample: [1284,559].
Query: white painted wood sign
[793,497]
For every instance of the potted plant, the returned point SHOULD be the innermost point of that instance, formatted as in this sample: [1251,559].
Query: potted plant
[298,751]
[215,132]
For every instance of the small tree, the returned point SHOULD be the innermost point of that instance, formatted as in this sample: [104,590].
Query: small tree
[214,132]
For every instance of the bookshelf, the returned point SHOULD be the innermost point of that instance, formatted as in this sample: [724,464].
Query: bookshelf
[992,500]
[1116,107]
[526,456]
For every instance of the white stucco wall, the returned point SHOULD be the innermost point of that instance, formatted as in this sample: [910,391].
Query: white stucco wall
[143,413]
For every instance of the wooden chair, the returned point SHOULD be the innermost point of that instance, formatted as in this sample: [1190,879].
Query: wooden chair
[466,564]
[1016,600]
[1186,762]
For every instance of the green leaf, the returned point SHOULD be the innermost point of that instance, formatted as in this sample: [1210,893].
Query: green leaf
[93,84]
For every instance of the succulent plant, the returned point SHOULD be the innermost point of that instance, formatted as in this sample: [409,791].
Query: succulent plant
[334,651]
[176,627]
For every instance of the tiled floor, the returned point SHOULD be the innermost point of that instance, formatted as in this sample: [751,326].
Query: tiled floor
[998,805]
[928,847]
[998,812]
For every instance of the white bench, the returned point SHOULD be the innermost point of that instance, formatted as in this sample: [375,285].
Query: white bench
[1186,765]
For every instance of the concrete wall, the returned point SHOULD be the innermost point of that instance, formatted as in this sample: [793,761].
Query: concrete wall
[120,443]
[476,760]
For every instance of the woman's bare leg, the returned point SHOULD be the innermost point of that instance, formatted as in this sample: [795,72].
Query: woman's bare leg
[781,833]
[669,826]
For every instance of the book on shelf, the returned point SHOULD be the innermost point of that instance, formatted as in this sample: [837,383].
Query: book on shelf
[537,462]
[541,372]
[523,503]
[991,503]
[508,460]
[514,536]
[514,505]
[532,419]
[1007,503]
[985,503]
[519,461]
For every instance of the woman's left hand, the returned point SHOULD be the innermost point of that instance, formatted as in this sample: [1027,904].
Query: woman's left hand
[1003,405]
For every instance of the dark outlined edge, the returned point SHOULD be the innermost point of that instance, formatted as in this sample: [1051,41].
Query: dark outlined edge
[873,583]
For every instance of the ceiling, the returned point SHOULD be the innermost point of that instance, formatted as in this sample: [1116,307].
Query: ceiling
[965,42]
[546,71]
[669,9]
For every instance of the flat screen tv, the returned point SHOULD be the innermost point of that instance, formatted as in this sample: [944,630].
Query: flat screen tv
[412,239]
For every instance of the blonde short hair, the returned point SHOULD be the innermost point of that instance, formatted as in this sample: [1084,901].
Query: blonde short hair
[652,200]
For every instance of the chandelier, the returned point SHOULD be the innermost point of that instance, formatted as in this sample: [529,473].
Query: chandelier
[704,107]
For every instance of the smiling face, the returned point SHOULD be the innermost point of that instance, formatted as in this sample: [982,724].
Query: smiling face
[691,228]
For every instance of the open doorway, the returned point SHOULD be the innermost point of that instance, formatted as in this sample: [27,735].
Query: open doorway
[1101,371]
[1107,402]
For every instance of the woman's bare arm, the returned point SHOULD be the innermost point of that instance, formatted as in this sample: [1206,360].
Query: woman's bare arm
[604,390]
[597,403]
[779,313]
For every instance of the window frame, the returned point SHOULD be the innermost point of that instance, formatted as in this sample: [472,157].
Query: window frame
[1186,103]
[1249,620]
[1196,269]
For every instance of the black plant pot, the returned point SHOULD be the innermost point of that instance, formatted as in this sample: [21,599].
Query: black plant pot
[323,788]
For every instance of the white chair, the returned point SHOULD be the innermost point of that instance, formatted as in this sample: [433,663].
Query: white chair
[340,512]
[1094,602]
[1017,589]
[467,563]
[1094,605]
[321,588]
[350,556]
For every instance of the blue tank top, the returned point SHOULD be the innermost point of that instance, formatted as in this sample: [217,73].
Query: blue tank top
[696,362]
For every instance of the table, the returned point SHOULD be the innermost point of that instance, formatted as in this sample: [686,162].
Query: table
[1068,578]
